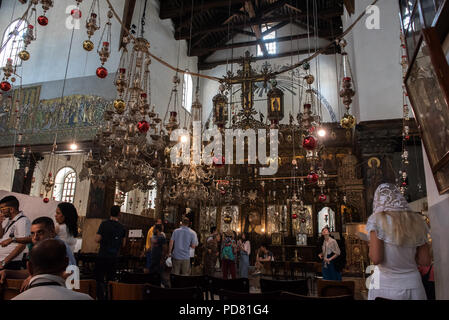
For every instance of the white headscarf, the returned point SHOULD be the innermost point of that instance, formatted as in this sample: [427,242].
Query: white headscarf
[388,198]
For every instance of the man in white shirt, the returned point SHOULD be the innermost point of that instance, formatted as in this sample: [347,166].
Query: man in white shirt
[48,262]
[14,225]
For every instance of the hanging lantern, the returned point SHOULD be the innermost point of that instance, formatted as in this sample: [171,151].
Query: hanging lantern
[275,103]
[309,143]
[347,92]
[220,104]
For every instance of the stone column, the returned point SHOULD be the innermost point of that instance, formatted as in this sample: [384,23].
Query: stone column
[23,176]
[99,203]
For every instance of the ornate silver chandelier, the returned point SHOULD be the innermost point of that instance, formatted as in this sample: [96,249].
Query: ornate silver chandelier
[124,152]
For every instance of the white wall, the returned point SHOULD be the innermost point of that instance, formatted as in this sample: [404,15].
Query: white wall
[439,224]
[376,62]
[50,51]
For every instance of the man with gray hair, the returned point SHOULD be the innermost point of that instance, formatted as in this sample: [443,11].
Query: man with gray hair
[47,264]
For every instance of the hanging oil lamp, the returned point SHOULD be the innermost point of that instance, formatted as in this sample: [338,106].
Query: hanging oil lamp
[105,51]
[220,105]
[91,25]
[347,92]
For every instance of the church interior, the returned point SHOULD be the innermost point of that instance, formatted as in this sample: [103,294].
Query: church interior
[276,119]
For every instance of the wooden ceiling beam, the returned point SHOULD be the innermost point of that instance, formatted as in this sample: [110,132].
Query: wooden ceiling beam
[210,65]
[203,51]
[256,28]
[167,12]
[220,27]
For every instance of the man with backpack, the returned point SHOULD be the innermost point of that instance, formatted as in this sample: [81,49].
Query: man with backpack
[228,256]
[111,236]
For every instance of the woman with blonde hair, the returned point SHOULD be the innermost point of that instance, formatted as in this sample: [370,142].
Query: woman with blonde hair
[398,243]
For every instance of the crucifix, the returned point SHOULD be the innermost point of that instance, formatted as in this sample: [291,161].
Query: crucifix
[246,77]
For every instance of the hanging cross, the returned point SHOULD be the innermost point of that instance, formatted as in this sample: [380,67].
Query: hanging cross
[246,78]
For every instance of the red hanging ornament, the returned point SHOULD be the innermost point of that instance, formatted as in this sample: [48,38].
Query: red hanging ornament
[5,86]
[42,20]
[312,177]
[46,200]
[143,126]
[102,72]
[76,14]
[322,197]
[216,162]
[309,143]
[294,216]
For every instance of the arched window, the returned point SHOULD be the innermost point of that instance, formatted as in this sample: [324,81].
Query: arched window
[187,92]
[65,183]
[12,47]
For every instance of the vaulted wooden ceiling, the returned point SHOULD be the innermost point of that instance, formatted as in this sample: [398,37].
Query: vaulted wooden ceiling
[208,25]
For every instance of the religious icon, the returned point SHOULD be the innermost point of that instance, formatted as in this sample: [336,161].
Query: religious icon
[276,104]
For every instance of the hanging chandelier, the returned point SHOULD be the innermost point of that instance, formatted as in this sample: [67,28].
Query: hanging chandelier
[189,182]
[124,153]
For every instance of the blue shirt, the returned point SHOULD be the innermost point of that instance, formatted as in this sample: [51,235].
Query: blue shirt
[183,238]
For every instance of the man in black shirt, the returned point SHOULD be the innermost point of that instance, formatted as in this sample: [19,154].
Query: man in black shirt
[111,236]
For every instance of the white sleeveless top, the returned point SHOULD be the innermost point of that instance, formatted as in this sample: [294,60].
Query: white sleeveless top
[63,234]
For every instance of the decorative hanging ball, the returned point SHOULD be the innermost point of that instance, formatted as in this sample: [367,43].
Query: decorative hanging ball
[309,79]
[46,200]
[24,55]
[88,45]
[227,219]
[119,106]
[294,216]
[102,72]
[76,13]
[309,143]
[322,197]
[143,126]
[312,177]
[5,86]
[348,121]
[216,161]
[42,20]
